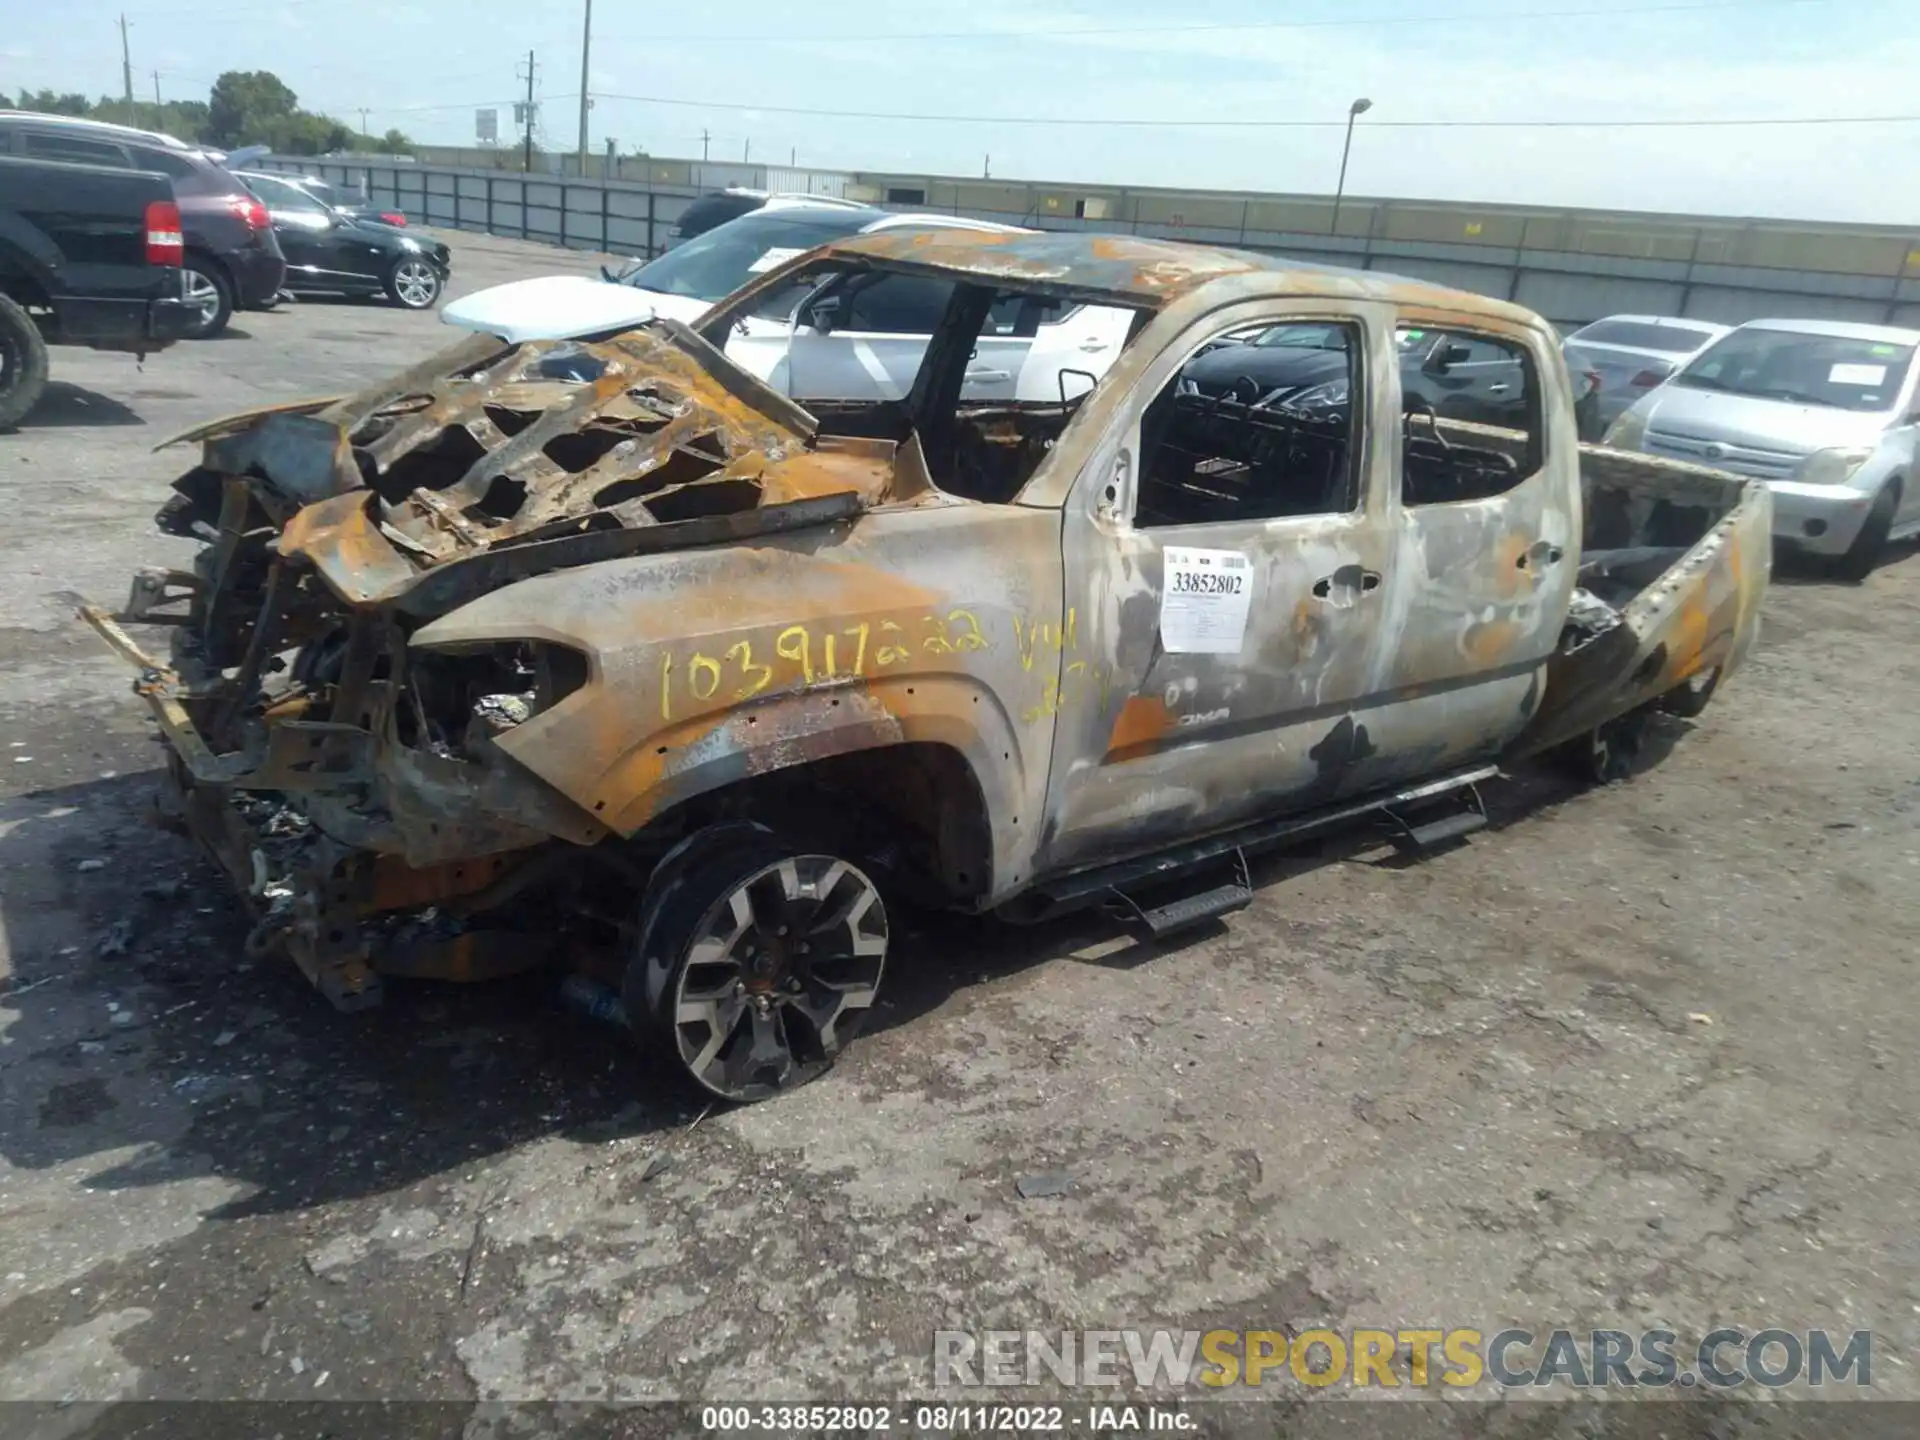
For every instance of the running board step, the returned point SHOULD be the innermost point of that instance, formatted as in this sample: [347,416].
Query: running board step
[1435,833]
[1189,910]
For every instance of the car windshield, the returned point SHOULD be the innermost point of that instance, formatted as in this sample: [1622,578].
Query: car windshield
[1613,363]
[1302,337]
[324,193]
[719,262]
[1637,335]
[1829,370]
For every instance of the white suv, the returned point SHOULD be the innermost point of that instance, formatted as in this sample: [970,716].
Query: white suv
[863,345]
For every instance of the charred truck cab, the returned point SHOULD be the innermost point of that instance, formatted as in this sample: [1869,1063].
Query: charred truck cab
[604,654]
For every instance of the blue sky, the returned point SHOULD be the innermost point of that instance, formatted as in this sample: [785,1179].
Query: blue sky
[423,65]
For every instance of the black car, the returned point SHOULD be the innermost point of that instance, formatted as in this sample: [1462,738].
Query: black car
[340,201]
[1294,363]
[714,209]
[334,253]
[1304,366]
[232,259]
[87,257]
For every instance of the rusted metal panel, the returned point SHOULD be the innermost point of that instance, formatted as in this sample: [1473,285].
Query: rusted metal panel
[1700,615]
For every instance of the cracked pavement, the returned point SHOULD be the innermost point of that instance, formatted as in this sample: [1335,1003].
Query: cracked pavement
[1634,1057]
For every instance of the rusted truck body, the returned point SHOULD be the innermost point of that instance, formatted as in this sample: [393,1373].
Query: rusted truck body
[589,649]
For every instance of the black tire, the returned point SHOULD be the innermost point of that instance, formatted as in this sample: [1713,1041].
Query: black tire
[202,278]
[1610,752]
[1871,543]
[756,965]
[413,283]
[23,363]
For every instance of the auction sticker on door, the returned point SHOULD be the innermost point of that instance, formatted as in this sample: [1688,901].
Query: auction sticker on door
[1204,600]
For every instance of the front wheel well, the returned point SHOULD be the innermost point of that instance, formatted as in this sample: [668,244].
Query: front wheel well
[914,810]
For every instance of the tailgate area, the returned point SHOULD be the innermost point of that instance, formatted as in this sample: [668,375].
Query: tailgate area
[1675,560]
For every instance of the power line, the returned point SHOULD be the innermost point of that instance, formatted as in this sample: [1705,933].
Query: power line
[1097,122]
[1111,122]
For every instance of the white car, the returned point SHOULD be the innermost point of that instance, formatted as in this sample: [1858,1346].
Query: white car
[1826,412]
[1622,357]
[859,342]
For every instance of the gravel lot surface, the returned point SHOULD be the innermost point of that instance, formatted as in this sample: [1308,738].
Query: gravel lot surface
[1638,1056]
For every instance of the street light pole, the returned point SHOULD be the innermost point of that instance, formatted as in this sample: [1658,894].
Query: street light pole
[1354,112]
[586,103]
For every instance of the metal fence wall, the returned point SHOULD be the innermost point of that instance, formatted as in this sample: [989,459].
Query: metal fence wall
[620,217]
[1571,267]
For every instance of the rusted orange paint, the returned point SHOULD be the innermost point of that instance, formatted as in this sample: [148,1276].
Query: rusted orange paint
[1488,644]
[1511,575]
[805,477]
[1143,720]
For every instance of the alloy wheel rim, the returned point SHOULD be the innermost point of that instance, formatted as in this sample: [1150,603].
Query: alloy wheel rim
[416,283]
[199,291]
[780,973]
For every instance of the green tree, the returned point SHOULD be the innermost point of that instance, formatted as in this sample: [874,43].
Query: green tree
[246,105]
[48,103]
[393,143]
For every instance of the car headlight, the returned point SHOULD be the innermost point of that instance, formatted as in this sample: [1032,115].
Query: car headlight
[1832,467]
[1319,397]
[1628,431]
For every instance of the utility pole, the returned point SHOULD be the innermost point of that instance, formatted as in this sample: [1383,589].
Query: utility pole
[746,151]
[986,168]
[586,43]
[526,160]
[126,67]
[363,120]
[793,157]
[156,89]
[705,139]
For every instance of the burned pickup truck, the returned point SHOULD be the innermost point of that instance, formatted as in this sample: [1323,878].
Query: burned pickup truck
[603,653]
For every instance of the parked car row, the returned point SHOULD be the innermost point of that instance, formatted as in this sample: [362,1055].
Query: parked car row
[127,239]
[1825,412]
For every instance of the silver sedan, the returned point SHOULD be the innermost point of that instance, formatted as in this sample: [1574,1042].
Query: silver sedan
[1826,412]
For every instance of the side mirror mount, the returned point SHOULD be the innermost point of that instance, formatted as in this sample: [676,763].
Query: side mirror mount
[821,312]
[1445,356]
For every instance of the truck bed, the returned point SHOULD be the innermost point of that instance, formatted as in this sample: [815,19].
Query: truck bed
[1674,561]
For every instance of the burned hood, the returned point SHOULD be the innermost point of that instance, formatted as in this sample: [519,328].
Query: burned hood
[491,462]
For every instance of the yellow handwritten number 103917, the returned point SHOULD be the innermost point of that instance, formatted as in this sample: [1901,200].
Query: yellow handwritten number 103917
[813,656]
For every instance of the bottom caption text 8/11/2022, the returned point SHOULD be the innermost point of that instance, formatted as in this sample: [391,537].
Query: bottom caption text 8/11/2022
[945,1419]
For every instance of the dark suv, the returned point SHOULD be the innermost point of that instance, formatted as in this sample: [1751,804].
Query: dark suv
[232,259]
